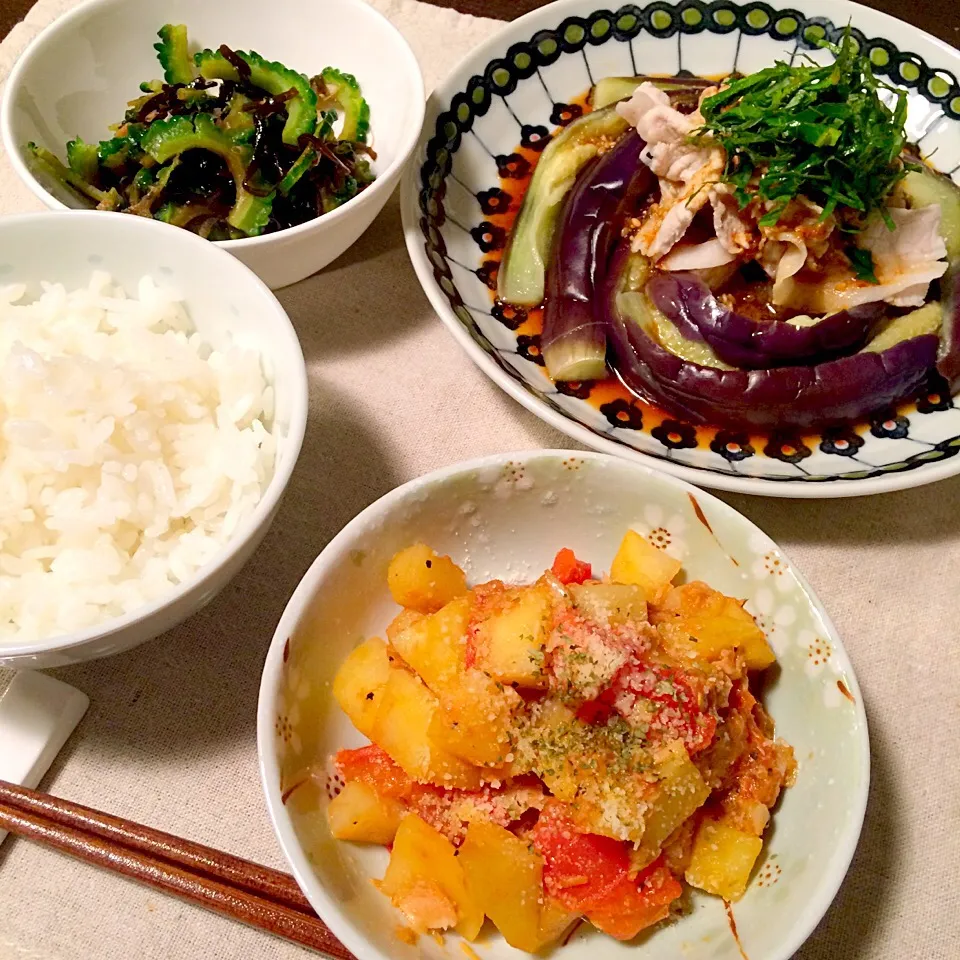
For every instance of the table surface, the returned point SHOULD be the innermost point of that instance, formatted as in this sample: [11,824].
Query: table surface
[934,16]
[170,740]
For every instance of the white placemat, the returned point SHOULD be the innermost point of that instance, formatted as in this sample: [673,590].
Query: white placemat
[170,736]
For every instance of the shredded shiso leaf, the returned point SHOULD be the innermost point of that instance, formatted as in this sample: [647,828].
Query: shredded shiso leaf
[823,132]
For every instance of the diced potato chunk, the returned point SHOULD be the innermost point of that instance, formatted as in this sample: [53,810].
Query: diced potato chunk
[420,579]
[510,643]
[423,861]
[722,859]
[402,728]
[716,623]
[681,791]
[435,646]
[610,602]
[505,878]
[359,813]
[756,650]
[359,683]
[639,562]
[474,714]
[555,920]
[404,620]
[474,720]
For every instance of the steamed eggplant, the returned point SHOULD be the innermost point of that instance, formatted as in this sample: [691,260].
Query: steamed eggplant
[804,397]
[745,343]
[521,279]
[710,193]
[523,270]
[574,340]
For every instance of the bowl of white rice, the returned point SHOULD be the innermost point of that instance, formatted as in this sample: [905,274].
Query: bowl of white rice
[153,400]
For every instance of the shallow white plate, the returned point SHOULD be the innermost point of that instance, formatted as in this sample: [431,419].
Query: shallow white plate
[519,86]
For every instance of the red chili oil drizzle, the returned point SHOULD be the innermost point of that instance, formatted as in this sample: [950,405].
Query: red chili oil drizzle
[612,388]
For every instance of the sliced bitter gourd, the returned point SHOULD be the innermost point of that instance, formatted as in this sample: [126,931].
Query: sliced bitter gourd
[173,54]
[343,89]
[169,138]
[273,77]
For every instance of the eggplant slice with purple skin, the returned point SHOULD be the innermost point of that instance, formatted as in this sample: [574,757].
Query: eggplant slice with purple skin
[687,301]
[671,340]
[835,391]
[605,191]
[522,276]
[574,338]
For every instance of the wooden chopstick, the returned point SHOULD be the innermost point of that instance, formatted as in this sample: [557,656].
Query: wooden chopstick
[245,891]
[252,877]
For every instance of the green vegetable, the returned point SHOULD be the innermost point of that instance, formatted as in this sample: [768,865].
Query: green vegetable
[862,262]
[173,54]
[273,77]
[105,199]
[193,97]
[259,104]
[83,159]
[145,178]
[167,213]
[331,199]
[523,270]
[820,132]
[142,181]
[180,214]
[343,89]
[305,162]
[238,123]
[143,207]
[115,153]
[169,138]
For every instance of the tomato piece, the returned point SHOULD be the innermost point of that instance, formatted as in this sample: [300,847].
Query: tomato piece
[634,905]
[568,569]
[669,693]
[372,765]
[579,869]
[599,710]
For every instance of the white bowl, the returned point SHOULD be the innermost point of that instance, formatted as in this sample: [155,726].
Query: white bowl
[224,300]
[505,517]
[76,77]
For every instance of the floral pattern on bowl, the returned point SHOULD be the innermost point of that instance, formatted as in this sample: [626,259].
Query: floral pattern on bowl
[484,129]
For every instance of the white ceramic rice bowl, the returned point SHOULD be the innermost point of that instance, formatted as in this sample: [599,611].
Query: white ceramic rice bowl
[223,298]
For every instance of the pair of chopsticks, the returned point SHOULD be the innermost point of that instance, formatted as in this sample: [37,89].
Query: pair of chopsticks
[254,894]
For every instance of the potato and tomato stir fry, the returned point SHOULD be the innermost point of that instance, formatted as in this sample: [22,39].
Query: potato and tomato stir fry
[575,748]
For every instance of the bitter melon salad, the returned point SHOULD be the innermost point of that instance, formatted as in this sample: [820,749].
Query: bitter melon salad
[578,748]
[228,145]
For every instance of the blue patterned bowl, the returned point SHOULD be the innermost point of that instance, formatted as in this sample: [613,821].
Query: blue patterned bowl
[484,128]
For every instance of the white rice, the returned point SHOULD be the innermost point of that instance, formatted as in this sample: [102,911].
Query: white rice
[130,451]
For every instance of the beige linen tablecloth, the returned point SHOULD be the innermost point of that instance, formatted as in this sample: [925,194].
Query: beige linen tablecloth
[170,736]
